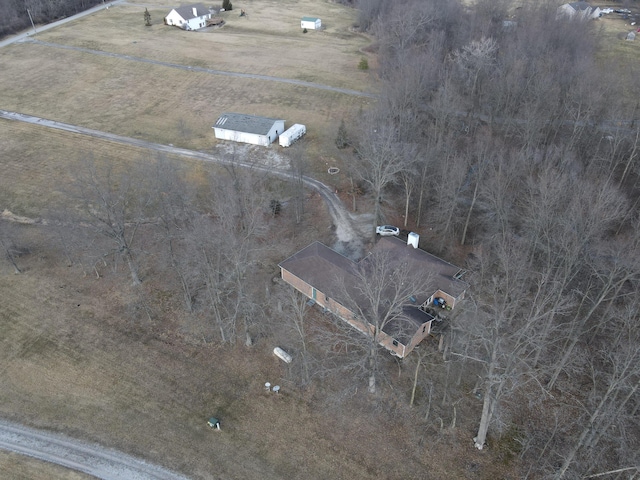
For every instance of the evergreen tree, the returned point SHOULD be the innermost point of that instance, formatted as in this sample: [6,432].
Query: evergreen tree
[342,140]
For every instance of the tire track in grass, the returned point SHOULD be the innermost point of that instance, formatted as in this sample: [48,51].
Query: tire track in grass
[210,71]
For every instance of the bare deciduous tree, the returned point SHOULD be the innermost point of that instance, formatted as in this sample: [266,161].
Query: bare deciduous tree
[380,158]
[377,292]
[616,382]
[115,204]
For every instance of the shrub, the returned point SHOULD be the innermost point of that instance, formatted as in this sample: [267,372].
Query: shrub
[275,207]
[342,140]
[364,64]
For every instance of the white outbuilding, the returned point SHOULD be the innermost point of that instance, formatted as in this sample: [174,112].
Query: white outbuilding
[293,133]
[311,23]
[240,127]
[189,17]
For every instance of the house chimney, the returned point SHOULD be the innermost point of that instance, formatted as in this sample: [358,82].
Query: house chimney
[195,12]
[413,239]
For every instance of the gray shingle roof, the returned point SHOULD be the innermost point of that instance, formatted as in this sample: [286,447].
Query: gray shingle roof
[240,122]
[444,273]
[580,5]
[331,273]
[186,11]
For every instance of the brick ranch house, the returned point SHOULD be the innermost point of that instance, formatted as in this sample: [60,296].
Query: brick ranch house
[323,275]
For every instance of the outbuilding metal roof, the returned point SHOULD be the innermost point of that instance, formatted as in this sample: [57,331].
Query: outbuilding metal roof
[240,122]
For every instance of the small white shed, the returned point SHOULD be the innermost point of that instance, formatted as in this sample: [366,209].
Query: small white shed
[311,23]
[239,127]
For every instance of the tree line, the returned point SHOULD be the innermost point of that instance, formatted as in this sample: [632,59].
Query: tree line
[504,132]
[14,14]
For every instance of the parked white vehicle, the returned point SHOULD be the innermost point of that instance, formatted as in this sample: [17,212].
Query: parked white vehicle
[387,230]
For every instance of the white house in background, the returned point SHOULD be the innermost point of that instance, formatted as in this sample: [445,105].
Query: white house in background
[189,17]
[579,10]
[311,23]
[240,127]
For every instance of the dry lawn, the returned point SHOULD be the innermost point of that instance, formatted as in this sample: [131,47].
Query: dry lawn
[621,57]
[170,105]
[74,360]
[20,467]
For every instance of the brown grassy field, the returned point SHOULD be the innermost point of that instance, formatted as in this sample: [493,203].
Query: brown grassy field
[21,467]
[621,57]
[73,360]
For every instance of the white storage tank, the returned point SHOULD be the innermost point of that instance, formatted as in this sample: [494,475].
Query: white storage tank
[293,133]
[282,355]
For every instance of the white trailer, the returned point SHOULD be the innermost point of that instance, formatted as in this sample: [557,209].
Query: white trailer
[293,133]
[310,23]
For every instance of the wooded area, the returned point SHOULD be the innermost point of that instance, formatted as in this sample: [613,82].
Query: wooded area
[515,154]
[512,139]
[14,14]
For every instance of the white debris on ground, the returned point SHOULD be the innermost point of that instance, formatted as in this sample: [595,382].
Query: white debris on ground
[7,215]
[246,153]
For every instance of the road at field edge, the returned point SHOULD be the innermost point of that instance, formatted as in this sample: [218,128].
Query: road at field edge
[96,460]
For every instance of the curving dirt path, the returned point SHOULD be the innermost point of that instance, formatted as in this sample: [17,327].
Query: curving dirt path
[94,460]
[349,228]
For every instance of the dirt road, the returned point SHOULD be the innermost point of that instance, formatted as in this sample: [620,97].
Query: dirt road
[349,228]
[87,458]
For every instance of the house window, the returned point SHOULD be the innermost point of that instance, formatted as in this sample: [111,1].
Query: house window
[395,343]
[424,328]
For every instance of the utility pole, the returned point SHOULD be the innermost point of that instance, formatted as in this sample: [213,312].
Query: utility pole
[35,32]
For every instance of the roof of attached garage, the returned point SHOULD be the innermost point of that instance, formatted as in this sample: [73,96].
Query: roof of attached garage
[240,122]
[323,268]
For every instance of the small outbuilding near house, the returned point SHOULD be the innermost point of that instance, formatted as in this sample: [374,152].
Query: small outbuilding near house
[189,17]
[311,23]
[239,127]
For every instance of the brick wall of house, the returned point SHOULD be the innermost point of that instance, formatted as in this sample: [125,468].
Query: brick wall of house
[345,314]
[419,336]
